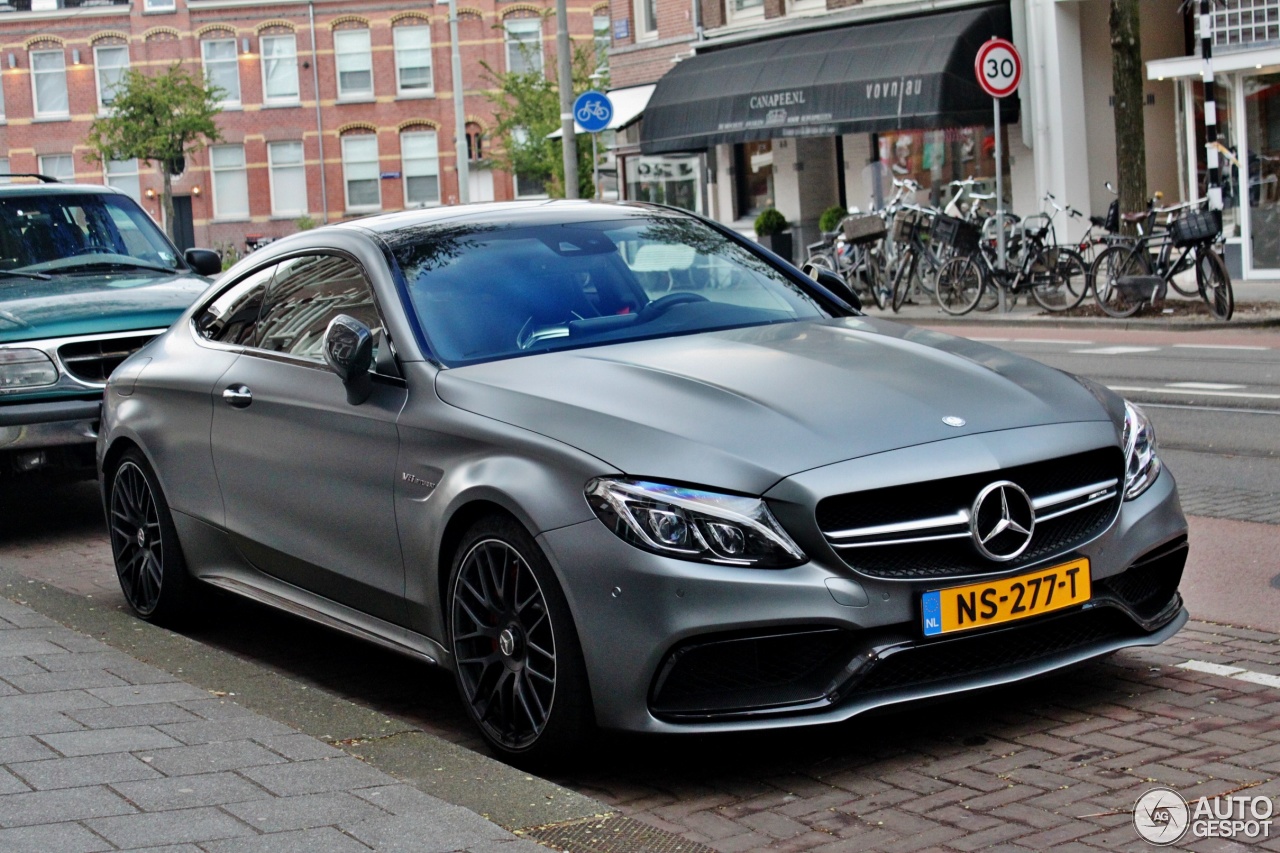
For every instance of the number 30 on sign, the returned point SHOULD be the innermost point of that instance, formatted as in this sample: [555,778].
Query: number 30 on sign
[999,68]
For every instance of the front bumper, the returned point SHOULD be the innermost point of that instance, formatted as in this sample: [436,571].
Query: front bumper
[634,610]
[57,434]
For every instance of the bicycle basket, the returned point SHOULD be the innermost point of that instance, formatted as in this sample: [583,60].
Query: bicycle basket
[864,229]
[1196,226]
[905,224]
[956,233]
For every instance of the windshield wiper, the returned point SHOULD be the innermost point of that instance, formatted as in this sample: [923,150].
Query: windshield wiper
[38,276]
[124,265]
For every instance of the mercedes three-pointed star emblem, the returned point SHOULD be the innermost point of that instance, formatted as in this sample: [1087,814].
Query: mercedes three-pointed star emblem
[1002,521]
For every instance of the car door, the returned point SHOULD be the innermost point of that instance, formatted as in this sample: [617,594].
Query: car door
[307,479]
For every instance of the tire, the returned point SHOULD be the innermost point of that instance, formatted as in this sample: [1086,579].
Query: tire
[877,279]
[902,279]
[822,259]
[1064,281]
[1112,264]
[144,543]
[960,285]
[1215,284]
[518,666]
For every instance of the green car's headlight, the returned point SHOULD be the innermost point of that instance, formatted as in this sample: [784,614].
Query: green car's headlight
[25,368]
[1142,466]
[693,525]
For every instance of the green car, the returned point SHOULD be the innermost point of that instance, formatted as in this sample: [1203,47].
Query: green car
[86,279]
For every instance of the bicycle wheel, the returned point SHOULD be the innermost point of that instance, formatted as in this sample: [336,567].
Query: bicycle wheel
[1215,284]
[823,260]
[902,279]
[878,278]
[960,285]
[1062,284]
[1185,287]
[1112,264]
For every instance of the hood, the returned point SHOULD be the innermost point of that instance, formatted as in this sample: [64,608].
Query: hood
[70,305]
[744,408]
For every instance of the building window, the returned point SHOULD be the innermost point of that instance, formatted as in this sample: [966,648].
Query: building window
[279,69]
[746,8]
[111,62]
[123,175]
[4,170]
[524,45]
[352,51]
[647,18]
[59,166]
[419,158]
[360,172]
[475,142]
[222,68]
[230,183]
[288,178]
[600,34]
[413,60]
[160,5]
[49,86]
[526,186]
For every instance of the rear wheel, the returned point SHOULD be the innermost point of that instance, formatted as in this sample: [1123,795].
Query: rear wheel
[902,279]
[1062,284]
[1111,265]
[518,663]
[960,285]
[1215,284]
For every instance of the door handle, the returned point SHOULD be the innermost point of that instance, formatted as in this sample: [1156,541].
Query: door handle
[237,396]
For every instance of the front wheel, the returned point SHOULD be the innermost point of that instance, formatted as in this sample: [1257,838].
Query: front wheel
[1111,265]
[960,285]
[1215,284]
[902,279]
[1062,283]
[517,659]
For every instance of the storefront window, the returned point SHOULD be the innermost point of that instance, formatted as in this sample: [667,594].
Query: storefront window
[1262,119]
[754,168]
[665,180]
[931,158]
[1224,95]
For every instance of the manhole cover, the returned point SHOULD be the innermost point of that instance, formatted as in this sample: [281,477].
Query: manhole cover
[614,834]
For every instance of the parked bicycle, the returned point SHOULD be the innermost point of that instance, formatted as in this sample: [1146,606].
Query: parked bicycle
[851,252]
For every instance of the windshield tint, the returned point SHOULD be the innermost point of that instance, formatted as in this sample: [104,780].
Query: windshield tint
[49,233]
[483,293]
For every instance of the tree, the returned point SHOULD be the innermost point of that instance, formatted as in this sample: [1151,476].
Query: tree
[1126,83]
[160,119]
[526,107]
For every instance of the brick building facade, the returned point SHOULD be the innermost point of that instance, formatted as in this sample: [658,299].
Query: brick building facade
[361,87]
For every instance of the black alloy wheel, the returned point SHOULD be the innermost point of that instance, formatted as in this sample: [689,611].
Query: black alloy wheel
[517,660]
[144,543]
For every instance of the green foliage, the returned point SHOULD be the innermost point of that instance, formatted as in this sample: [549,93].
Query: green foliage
[157,118]
[304,222]
[770,221]
[526,107]
[830,218]
[230,253]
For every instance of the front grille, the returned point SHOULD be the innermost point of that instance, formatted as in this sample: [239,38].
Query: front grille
[725,674]
[937,512]
[94,361]
[1148,585]
[994,650]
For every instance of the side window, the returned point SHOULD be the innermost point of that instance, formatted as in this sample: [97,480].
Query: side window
[232,317]
[305,295]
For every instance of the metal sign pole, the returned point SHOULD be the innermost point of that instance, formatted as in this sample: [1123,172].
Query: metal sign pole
[1000,246]
[595,168]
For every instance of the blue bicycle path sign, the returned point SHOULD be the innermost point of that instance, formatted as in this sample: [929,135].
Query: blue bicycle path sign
[593,111]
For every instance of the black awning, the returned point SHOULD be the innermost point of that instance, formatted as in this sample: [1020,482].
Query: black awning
[906,73]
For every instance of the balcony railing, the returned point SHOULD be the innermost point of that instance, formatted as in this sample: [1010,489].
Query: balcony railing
[54,5]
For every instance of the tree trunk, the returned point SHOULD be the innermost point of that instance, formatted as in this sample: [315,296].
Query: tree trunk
[1126,82]
[168,200]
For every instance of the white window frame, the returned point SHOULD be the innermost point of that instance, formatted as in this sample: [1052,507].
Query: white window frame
[510,43]
[291,57]
[287,171]
[233,99]
[216,171]
[123,175]
[160,6]
[646,28]
[602,39]
[347,162]
[42,169]
[341,52]
[399,33]
[753,12]
[35,86]
[520,136]
[411,172]
[98,68]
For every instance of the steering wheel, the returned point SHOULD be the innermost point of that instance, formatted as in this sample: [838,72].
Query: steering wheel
[662,304]
[94,249]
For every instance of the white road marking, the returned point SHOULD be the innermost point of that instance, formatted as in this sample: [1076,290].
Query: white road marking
[972,338]
[1052,341]
[1219,346]
[1229,409]
[1205,386]
[1119,350]
[1237,672]
[1239,394]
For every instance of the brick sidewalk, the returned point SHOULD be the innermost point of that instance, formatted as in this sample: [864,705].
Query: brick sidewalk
[101,752]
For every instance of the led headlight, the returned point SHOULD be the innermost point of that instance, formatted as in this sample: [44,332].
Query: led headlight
[25,368]
[1142,466]
[693,525]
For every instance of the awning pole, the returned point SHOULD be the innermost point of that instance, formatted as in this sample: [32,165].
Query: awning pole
[1000,246]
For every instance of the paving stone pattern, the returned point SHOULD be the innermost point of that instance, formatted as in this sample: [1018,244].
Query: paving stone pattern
[100,752]
[1239,504]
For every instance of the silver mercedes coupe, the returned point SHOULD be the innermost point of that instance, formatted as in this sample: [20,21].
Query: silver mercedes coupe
[616,466]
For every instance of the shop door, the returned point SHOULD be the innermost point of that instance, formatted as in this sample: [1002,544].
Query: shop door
[1262,124]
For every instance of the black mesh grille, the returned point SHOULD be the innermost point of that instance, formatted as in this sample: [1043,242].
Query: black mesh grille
[990,651]
[93,361]
[1148,585]
[956,557]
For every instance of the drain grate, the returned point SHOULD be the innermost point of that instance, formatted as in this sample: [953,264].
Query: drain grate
[613,834]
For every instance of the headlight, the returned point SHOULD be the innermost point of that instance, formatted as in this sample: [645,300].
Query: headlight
[25,368]
[693,525]
[1142,466]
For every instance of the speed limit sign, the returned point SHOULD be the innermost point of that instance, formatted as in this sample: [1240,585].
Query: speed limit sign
[999,68]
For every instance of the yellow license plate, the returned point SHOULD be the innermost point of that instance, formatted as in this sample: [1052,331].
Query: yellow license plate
[978,605]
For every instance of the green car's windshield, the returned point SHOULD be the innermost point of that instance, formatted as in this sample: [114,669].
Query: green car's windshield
[65,232]
[488,292]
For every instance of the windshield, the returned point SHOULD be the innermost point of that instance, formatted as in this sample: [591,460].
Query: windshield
[61,232]
[489,292]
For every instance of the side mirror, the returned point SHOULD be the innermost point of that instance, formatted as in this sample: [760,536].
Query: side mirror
[832,282]
[204,261]
[348,350]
